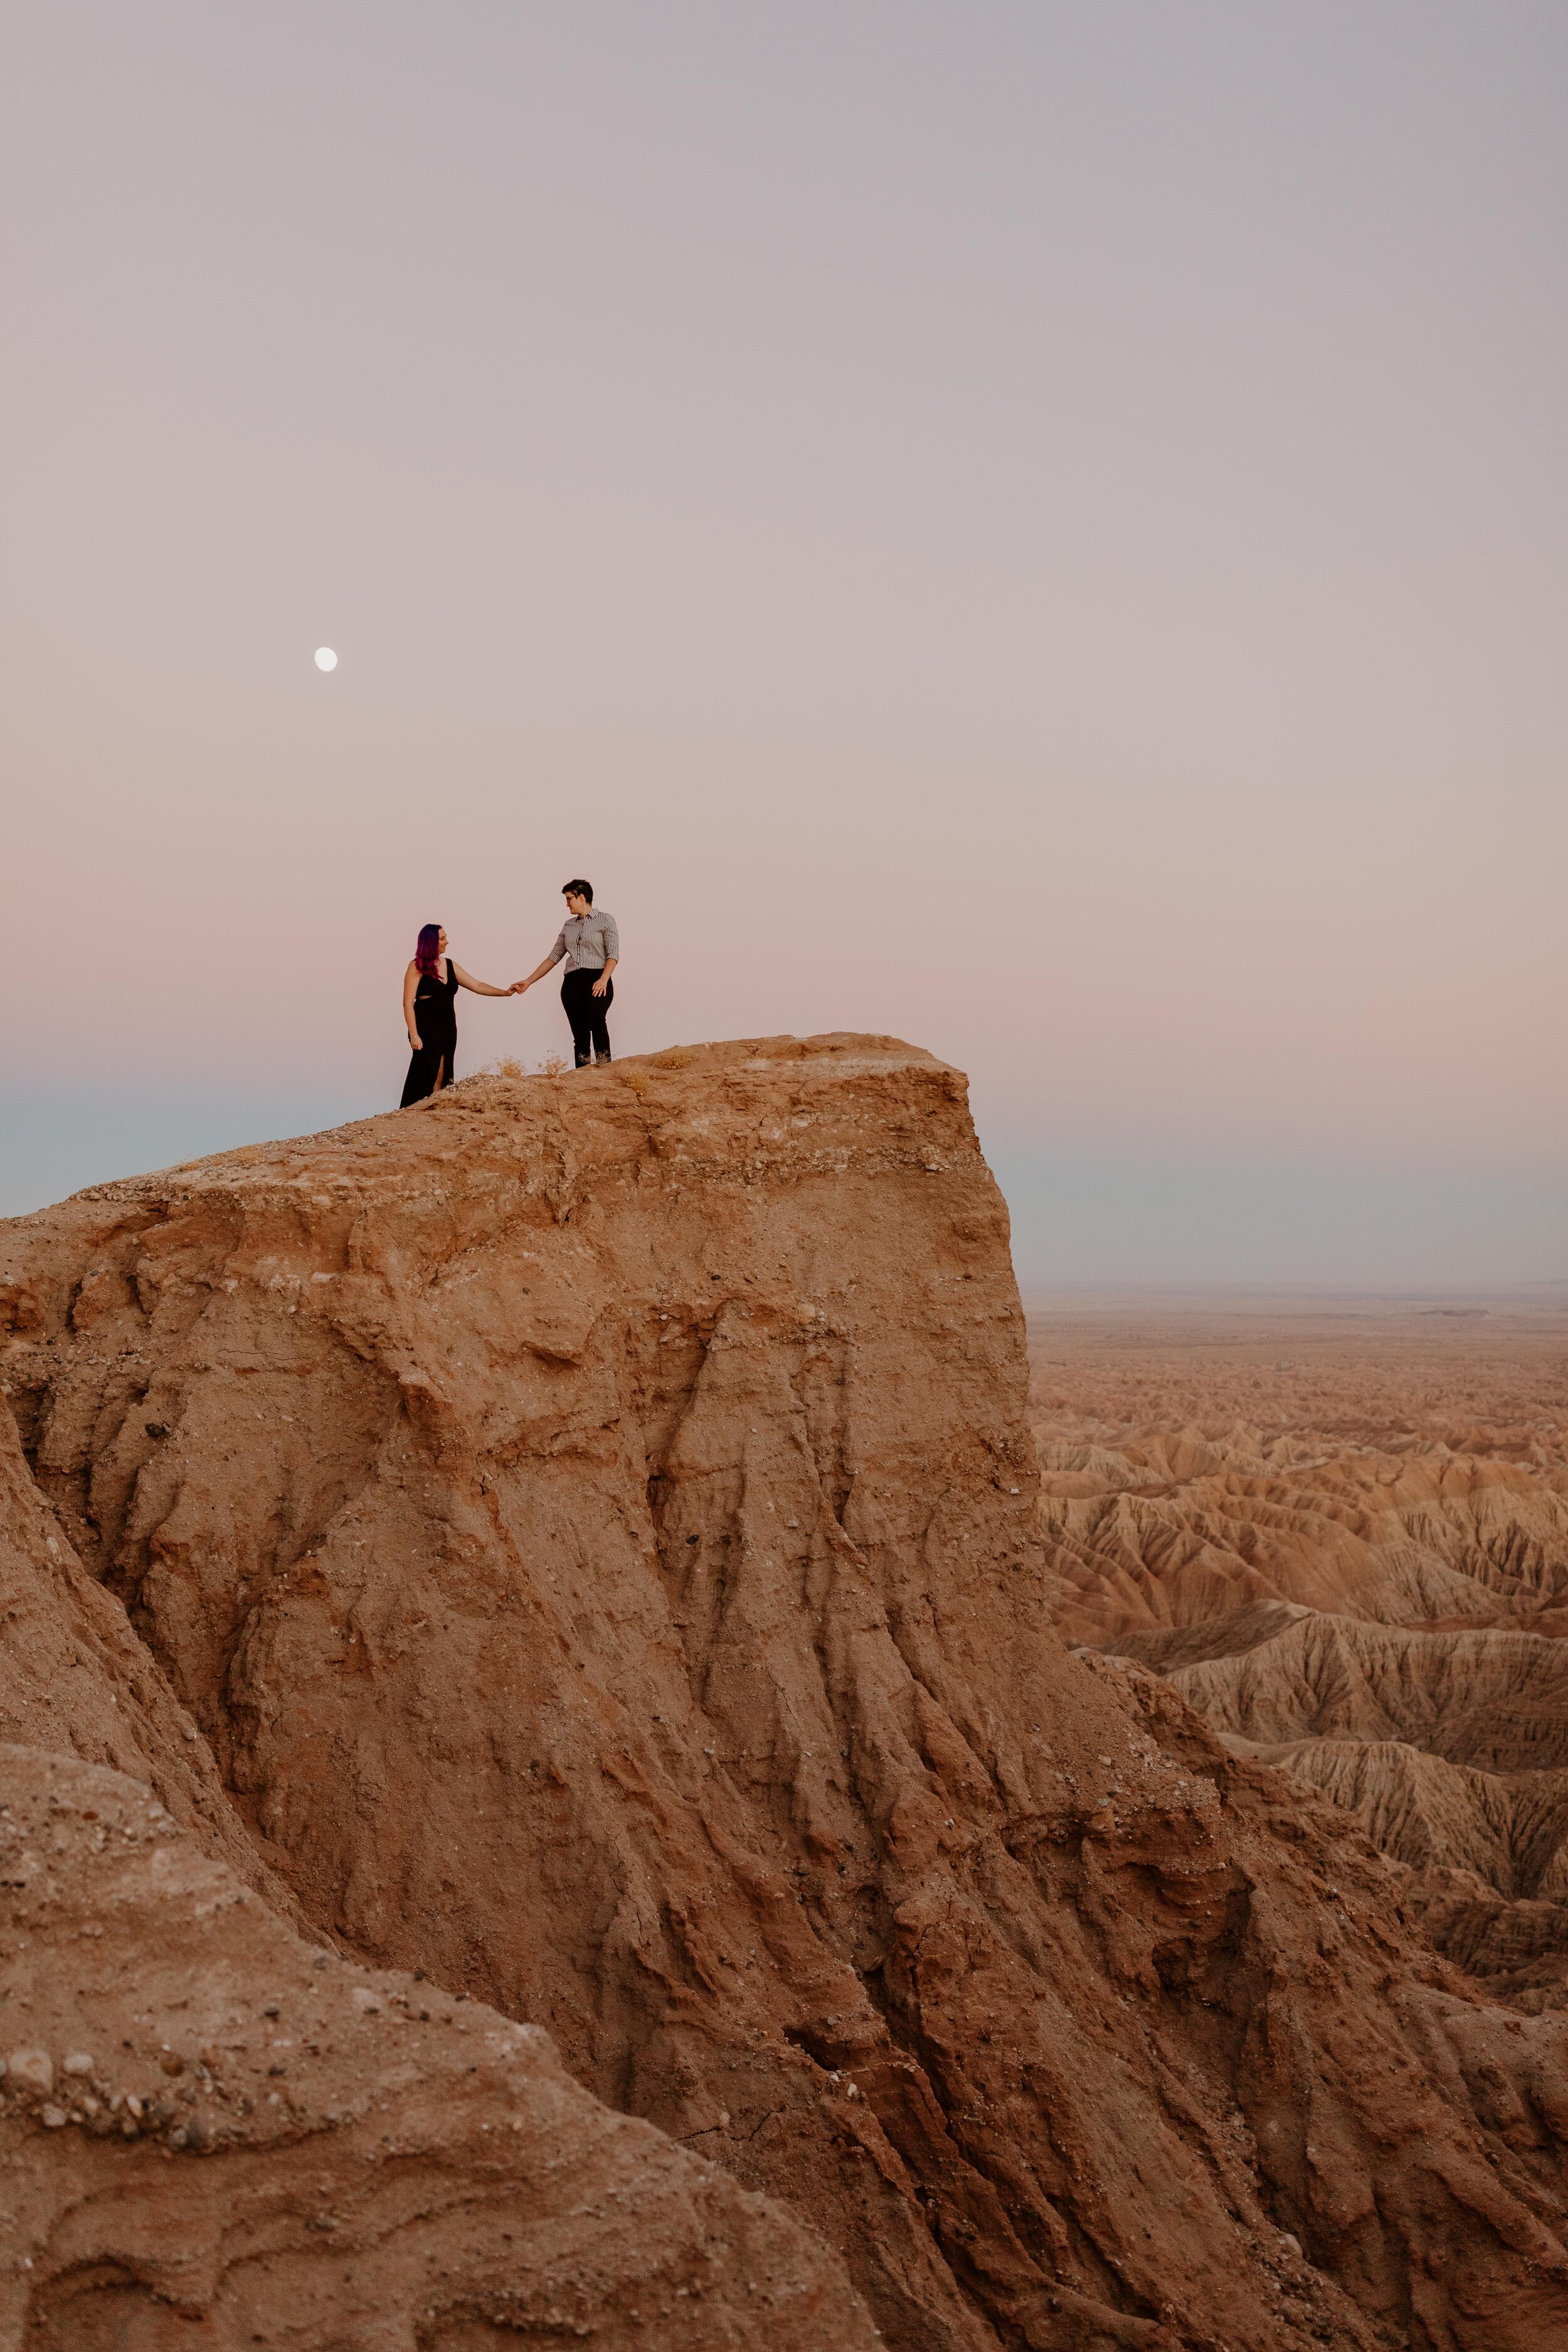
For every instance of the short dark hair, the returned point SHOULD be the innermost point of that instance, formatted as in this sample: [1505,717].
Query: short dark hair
[578,890]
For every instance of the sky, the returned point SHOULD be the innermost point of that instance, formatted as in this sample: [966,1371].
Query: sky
[1034,529]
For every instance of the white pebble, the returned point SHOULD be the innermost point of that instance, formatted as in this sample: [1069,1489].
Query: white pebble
[33,2069]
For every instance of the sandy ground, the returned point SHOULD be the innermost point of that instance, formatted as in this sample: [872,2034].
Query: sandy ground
[1490,1372]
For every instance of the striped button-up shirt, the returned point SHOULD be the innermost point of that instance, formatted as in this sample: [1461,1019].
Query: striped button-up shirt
[587,941]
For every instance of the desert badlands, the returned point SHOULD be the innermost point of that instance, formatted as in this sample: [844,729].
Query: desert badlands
[590,1756]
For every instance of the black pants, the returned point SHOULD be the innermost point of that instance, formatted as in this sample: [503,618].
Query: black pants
[586,1013]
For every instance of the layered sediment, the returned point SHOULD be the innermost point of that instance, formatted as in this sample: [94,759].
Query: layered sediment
[590,1528]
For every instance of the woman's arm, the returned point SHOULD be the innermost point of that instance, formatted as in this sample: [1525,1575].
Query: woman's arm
[604,979]
[410,983]
[479,987]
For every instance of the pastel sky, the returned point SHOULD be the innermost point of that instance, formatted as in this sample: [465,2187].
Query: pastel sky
[1040,529]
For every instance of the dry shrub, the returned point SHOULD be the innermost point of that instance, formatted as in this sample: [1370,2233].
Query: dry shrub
[552,1067]
[674,1057]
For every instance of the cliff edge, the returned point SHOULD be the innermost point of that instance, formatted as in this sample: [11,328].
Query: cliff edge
[576,1541]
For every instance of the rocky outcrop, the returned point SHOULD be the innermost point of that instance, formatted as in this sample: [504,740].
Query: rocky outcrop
[1506,1830]
[74,1677]
[593,1525]
[1498,1700]
[358,2159]
[1162,1533]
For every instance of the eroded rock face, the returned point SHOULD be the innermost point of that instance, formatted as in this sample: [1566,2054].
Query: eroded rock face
[73,1677]
[593,1523]
[1367,1588]
[211,2132]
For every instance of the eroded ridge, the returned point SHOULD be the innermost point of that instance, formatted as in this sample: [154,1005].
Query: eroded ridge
[593,1528]
[1342,1534]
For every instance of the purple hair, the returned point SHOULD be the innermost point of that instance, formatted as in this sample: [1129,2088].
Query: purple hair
[426,955]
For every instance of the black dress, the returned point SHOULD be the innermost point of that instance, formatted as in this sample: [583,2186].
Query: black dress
[436,1019]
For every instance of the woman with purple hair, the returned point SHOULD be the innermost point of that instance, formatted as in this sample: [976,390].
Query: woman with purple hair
[431,987]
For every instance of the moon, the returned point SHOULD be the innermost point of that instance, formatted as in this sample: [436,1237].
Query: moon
[325,658]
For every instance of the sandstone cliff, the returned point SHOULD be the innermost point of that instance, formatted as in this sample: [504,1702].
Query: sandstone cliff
[591,1526]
